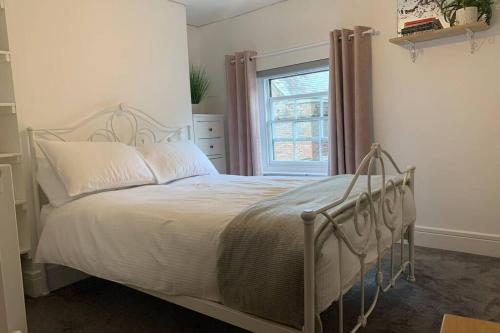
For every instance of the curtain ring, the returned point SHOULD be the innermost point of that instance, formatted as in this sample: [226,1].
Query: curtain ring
[242,61]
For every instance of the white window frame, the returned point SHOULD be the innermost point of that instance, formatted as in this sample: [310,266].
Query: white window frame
[271,167]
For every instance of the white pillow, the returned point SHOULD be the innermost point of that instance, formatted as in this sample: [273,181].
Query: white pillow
[51,184]
[87,167]
[176,160]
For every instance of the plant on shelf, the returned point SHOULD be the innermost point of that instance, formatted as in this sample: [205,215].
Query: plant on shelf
[450,9]
[199,84]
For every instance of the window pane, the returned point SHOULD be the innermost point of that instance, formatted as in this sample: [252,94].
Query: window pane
[309,107]
[300,84]
[325,106]
[307,129]
[283,109]
[324,150]
[283,151]
[283,130]
[307,150]
[326,127]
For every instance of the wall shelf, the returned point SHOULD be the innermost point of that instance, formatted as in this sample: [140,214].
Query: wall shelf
[466,29]
[5,54]
[23,249]
[20,202]
[441,33]
[7,108]
[17,156]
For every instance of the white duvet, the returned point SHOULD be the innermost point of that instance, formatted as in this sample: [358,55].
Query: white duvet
[164,238]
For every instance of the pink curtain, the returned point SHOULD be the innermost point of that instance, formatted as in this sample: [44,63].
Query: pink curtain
[243,114]
[350,99]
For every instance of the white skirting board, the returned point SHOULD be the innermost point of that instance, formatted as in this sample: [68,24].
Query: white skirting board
[446,239]
[459,241]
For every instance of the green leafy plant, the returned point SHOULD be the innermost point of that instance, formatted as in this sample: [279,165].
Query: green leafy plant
[199,84]
[450,8]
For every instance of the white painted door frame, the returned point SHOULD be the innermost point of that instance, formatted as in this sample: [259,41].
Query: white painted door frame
[12,307]
[3,310]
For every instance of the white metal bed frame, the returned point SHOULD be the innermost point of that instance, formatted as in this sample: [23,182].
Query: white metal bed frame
[373,210]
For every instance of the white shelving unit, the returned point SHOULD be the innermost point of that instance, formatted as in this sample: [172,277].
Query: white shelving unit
[10,145]
[7,108]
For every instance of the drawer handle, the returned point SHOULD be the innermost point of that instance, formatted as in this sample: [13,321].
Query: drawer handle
[211,146]
[210,129]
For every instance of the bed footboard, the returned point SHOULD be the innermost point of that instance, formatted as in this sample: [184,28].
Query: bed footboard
[373,210]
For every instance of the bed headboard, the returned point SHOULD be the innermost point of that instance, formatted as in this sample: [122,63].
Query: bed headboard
[118,124]
[121,123]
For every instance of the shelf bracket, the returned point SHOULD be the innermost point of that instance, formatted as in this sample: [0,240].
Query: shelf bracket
[471,39]
[412,48]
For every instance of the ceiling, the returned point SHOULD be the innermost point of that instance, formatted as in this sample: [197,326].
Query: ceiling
[202,12]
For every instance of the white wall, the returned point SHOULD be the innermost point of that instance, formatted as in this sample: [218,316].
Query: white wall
[195,55]
[194,43]
[441,113]
[70,58]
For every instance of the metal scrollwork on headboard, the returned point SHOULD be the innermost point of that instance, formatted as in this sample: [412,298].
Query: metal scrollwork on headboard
[140,128]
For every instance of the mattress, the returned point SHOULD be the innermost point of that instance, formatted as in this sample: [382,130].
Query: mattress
[164,238]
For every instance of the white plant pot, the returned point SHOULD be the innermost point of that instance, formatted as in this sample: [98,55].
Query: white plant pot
[197,108]
[467,15]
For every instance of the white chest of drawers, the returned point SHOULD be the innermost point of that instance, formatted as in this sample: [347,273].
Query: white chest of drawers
[209,135]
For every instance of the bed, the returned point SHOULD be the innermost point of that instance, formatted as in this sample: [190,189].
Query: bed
[166,239]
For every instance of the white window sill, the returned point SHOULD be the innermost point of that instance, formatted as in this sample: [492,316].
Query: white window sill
[294,174]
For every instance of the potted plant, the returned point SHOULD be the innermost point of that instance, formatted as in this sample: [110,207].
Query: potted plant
[199,87]
[466,11]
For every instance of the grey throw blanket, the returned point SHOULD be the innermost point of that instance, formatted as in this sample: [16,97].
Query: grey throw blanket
[261,253]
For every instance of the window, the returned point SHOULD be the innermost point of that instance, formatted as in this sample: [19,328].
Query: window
[294,120]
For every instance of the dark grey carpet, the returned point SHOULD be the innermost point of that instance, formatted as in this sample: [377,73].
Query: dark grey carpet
[447,282]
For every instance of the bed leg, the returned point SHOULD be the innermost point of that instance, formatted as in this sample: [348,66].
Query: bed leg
[411,245]
[35,279]
[411,230]
[309,279]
